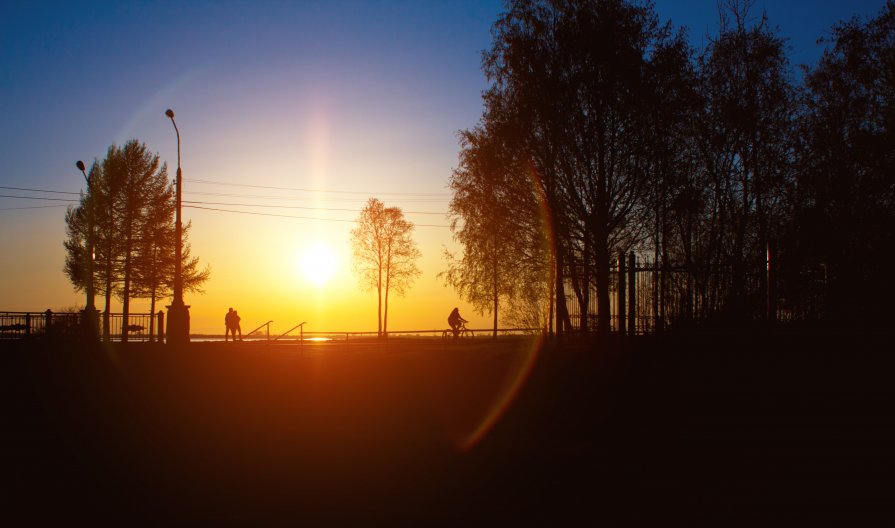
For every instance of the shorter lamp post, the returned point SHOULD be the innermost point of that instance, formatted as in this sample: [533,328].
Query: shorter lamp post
[91,318]
[178,313]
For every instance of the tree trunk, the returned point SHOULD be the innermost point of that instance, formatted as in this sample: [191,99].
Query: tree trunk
[108,306]
[152,316]
[379,293]
[552,288]
[126,292]
[601,253]
[585,285]
[385,311]
[379,311]
[494,285]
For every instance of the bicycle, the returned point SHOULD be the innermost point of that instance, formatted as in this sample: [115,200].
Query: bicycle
[462,332]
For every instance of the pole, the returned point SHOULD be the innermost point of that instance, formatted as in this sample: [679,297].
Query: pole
[620,308]
[178,312]
[90,321]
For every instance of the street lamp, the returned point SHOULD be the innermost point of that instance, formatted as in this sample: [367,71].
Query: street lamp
[178,313]
[90,316]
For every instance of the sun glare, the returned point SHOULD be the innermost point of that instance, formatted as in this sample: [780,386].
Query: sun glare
[318,263]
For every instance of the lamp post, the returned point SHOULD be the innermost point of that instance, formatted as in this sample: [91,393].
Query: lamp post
[178,313]
[90,316]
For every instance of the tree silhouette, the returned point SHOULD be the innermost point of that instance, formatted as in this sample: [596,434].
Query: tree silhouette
[384,254]
[746,141]
[844,203]
[132,206]
[495,218]
[100,199]
[572,89]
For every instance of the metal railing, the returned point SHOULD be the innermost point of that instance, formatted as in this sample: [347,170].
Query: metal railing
[143,327]
[345,336]
[20,325]
[24,325]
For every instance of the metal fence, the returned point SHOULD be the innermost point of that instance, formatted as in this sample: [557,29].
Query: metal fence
[666,297]
[139,326]
[353,336]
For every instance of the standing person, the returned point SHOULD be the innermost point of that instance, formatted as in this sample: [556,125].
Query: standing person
[456,321]
[236,327]
[228,322]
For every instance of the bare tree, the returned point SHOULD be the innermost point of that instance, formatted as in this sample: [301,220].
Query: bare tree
[384,254]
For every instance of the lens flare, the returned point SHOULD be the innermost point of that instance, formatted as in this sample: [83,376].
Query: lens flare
[527,357]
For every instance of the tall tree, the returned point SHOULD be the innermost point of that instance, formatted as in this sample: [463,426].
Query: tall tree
[572,78]
[494,216]
[845,197]
[746,131]
[131,204]
[103,193]
[673,166]
[145,186]
[385,254]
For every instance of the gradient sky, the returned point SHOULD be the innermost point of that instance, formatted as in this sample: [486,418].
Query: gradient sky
[351,99]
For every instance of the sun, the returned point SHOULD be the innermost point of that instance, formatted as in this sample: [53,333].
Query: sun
[318,263]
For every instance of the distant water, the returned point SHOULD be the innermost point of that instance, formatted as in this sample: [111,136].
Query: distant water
[219,338]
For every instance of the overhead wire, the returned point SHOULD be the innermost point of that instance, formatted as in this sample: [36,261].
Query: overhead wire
[198,204]
[38,198]
[31,207]
[255,213]
[37,190]
[300,189]
[298,207]
[297,198]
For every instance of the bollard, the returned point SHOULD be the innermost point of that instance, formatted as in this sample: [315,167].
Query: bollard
[161,326]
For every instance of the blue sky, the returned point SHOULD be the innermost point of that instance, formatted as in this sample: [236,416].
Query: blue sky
[338,96]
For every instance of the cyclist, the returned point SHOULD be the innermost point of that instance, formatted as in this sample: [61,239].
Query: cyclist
[456,322]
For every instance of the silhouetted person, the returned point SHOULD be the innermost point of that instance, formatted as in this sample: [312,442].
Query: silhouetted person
[236,327]
[456,321]
[228,322]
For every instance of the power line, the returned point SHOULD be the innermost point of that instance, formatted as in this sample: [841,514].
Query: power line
[224,203]
[212,182]
[30,207]
[300,207]
[37,190]
[275,197]
[38,198]
[69,200]
[255,213]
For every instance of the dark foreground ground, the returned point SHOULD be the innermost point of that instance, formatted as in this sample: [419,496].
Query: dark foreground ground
[750,429]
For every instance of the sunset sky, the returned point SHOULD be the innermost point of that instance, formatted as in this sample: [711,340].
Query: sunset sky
[312,105]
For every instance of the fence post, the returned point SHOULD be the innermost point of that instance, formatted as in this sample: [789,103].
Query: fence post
[632,294]
[27,324]
[48,320]
[621,293]
[161,326]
